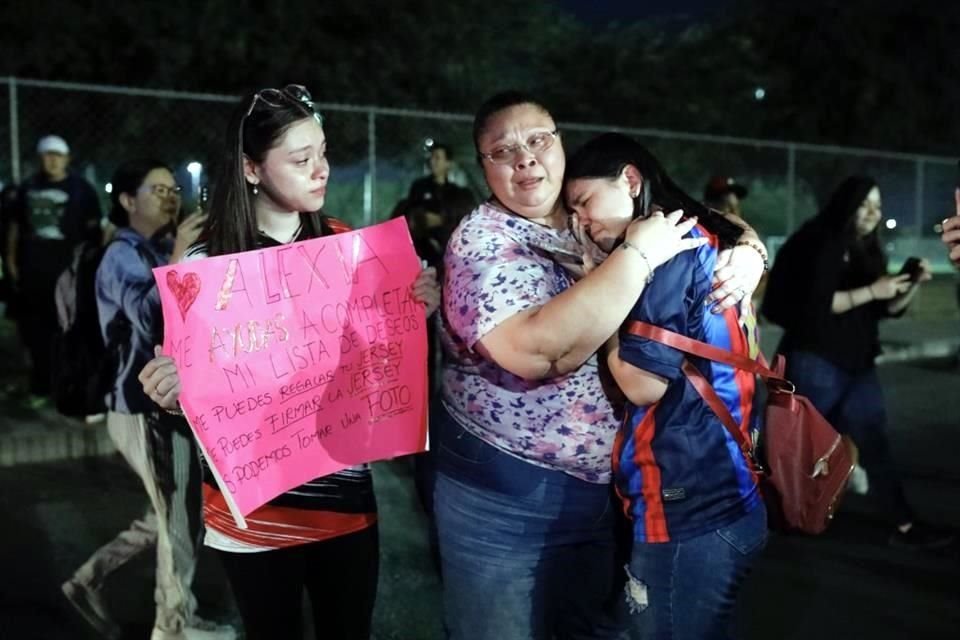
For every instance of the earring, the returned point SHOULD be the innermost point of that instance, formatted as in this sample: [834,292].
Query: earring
[255,190]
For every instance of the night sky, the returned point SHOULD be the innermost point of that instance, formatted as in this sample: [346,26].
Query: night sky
[602,11]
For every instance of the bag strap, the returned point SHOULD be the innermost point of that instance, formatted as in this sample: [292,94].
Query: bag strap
[704,350]
[700,383]
[709,395]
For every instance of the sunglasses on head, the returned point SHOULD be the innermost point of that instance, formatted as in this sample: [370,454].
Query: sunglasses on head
[279,98]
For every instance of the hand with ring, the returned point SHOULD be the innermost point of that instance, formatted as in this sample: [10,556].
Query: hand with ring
[735,277]
[161,382]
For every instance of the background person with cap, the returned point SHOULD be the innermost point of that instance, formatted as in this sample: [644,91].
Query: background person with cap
[53,212]
[724,194]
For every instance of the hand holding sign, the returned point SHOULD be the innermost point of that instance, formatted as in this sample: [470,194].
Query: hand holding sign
[297,361]
[426,289]
[161,382]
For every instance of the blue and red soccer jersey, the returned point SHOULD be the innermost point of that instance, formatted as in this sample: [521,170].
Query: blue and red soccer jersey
[677,469]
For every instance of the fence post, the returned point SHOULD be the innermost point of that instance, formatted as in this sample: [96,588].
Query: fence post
[370,184]
[791,187]
[14,130]
[918,199]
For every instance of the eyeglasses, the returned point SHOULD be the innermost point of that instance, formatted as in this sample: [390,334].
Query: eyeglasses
[164,191]
[537,143]
[278,98]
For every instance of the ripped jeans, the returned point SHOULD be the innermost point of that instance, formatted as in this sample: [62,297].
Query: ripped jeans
[687,590]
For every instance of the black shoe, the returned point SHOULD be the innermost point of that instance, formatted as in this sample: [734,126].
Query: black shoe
[922,536]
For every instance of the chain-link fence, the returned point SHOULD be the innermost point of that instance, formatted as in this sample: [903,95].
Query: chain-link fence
[377,152]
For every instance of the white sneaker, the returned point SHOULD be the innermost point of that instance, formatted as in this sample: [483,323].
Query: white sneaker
[199,629]
[859,481]
[209,631]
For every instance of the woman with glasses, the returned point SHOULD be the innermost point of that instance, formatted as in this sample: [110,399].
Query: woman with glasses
[146,201]
[525,434]
[321,536]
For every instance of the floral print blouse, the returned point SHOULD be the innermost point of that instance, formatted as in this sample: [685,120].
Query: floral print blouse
[499,264]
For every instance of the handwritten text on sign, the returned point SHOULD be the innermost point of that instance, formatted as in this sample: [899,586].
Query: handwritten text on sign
[299,360]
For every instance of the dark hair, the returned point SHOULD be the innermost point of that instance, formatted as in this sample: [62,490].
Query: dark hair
[128,178]
[606,156]
[232,223]
[495,105]
[839,216]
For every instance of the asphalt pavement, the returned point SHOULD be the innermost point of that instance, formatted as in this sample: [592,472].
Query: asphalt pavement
[64,493]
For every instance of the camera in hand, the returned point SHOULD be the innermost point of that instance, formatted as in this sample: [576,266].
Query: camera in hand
[912,268]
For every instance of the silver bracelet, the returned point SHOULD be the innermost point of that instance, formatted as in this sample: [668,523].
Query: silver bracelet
[627,245]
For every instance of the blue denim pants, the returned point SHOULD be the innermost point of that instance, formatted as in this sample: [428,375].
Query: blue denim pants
[527,553]
[687,590]
[853,403]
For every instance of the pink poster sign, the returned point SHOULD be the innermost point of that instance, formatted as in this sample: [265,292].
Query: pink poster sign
[300,360]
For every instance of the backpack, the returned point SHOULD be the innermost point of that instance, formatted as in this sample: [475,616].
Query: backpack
[84,365]
[801,462]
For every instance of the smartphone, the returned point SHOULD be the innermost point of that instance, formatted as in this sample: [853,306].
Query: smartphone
[204,198]
[912,268]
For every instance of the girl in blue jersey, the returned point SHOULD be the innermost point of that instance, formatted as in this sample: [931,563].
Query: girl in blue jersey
[698,520]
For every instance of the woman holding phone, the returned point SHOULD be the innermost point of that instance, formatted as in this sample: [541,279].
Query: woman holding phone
[829,289]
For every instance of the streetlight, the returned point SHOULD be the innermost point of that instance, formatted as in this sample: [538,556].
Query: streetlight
[194,169]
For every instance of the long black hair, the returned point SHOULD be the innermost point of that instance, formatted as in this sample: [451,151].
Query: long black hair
[839,217]
[127,179]
[255,127]
[606,156]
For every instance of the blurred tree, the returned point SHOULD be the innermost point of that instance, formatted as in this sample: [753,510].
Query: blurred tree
[851,72]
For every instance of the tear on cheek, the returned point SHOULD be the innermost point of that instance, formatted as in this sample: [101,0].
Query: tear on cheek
[635,592]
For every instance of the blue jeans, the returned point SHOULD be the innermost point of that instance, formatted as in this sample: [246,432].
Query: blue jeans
[853,403]
[527,553]
[687,590]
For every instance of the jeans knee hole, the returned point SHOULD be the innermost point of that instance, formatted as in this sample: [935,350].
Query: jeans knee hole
[635,592]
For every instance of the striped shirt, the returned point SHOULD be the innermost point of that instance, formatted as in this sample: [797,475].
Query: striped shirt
[677,470]
[326,507]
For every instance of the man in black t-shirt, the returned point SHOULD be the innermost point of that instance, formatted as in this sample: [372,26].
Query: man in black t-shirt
[435,204]
[53,212]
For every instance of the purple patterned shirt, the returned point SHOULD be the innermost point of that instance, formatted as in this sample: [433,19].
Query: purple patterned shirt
[497,265]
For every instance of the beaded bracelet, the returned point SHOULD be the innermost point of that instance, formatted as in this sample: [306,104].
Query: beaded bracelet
[759,248]
[627,245]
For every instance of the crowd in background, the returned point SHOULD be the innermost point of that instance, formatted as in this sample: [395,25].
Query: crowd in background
[578,485]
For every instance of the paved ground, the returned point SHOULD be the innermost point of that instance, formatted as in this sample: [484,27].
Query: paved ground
[62,496]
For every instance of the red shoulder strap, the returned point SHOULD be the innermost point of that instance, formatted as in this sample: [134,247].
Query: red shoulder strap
[697,379]
[709,395]
[704,350]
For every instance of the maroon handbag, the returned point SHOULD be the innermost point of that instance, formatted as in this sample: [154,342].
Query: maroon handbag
[807,463]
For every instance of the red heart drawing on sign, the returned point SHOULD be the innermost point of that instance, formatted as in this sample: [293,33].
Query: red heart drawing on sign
[185,290]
